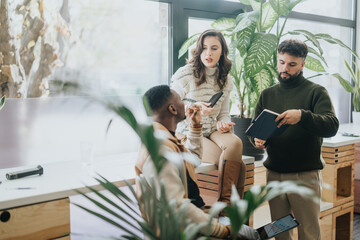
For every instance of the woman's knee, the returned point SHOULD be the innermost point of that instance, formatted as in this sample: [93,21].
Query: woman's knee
[235,145]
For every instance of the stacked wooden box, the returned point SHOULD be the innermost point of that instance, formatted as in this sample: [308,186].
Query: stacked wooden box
[338,189]
[208,182]
[357,179]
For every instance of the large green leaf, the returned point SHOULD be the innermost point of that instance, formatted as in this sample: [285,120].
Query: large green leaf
[273,72]
[2,102]
[187,44]
[224,24]
[238,65]
[244,39]
[356,100]
[280,6]
[263,79]
[232,48]
[245,2]
[284,7]
[309,36]
[313,51]
[330,39]
[245,20]
[255,4]
[346,85]
[314,64]
[350,70]
[293,3]
[261,50]
[357,79]
[268,17]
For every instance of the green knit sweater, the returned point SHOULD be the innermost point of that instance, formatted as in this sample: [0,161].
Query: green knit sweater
[299,147]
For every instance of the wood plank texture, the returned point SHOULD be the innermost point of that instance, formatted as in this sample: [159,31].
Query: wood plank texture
[337,149]
[39,221]
[340,178]
[338,154]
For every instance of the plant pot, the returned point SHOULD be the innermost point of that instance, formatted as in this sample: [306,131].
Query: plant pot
[241,124]
[356,118]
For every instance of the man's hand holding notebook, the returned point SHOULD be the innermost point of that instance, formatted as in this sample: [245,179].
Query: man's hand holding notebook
[265,126]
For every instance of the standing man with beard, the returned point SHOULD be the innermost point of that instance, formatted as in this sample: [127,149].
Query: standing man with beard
[296,154]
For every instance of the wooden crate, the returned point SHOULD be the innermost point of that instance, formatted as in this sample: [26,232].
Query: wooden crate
[338,183]
[357,152]
[334,155]
[357,161]
[48,220]
[337,223]
[208,183]
[357,196]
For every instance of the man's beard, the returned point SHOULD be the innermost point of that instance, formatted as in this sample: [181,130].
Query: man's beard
[290,79]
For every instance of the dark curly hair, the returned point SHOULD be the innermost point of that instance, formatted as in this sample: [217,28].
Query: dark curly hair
[224,62]
[157,96]
[293,47]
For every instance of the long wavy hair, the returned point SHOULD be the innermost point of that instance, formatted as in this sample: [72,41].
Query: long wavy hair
[224,63]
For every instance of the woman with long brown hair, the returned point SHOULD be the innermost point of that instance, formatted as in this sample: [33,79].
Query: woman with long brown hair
[206,74]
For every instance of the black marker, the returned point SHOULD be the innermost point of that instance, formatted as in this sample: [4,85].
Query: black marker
[24,173]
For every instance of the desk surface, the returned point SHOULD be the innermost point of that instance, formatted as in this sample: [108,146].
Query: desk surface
[340,140]
[61,179]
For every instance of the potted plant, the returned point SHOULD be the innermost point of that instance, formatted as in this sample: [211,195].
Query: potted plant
[254,36]
[355,89]
[167,220]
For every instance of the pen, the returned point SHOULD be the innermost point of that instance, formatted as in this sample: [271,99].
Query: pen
[22,188]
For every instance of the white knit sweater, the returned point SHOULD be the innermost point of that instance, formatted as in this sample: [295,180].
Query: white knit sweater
[184,83]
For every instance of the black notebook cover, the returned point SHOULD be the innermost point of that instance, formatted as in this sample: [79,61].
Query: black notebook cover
[264,126]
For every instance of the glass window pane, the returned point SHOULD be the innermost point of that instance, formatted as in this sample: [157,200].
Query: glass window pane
[116,46]
[330,8]
[197,25]
[334,55]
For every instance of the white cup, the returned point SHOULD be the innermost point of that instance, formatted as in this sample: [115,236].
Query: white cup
[87,154]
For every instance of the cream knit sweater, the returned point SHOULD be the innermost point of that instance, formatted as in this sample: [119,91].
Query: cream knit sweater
[184,83]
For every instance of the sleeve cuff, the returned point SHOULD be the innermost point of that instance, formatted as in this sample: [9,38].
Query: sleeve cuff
[195,131]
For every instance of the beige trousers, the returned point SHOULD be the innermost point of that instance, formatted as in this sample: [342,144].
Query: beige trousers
[225,150]
[305,210]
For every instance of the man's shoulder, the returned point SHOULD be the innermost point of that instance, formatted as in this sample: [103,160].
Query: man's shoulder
[310,85]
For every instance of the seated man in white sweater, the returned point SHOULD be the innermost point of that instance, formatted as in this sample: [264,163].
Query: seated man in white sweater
[180,184]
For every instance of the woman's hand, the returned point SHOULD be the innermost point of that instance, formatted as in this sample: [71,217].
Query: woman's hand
[259,143]
[205,108]
[224,127]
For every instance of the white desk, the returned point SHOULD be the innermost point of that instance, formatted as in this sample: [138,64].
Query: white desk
[62,178]
[338,140]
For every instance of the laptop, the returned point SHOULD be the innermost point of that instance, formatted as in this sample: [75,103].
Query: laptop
[265,232]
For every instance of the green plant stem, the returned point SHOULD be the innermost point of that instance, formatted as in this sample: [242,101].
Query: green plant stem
[260,17]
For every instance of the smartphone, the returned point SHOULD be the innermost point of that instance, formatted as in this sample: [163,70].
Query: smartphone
[213,100]
[281,225]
